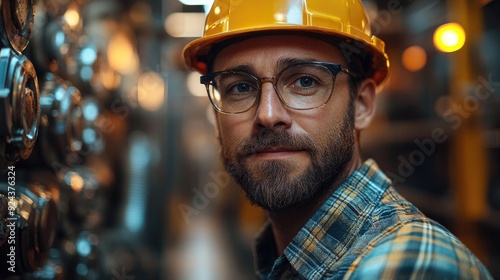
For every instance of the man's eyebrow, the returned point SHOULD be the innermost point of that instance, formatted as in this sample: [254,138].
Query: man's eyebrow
[287,61]
[281,63]
[241,68]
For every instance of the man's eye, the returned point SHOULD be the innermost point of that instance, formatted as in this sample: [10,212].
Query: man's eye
[304,82]
[301,83]
[242,87]
[239,88]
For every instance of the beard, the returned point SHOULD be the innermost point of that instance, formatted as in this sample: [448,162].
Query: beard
[270,184]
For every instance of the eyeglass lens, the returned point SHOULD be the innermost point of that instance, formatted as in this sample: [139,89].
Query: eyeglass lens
[299,87]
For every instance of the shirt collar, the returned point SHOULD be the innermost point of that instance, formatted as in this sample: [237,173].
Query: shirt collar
[334,227]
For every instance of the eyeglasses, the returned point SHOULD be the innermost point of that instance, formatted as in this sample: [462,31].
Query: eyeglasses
[300,86]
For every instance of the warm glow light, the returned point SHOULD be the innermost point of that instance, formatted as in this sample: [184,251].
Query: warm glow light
[414,58]
[185,24]
[151,91]
[122,55]
[449,37]
[194,86]
[76,181]
[110,79]
[72,18]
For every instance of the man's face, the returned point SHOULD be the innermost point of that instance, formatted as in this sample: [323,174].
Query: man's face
[284,157]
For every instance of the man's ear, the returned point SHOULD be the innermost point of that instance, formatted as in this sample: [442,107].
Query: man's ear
[364,104]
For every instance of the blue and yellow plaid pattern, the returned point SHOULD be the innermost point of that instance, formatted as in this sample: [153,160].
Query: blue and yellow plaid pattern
[366,230]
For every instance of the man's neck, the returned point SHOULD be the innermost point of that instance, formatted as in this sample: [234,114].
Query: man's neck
[287,223]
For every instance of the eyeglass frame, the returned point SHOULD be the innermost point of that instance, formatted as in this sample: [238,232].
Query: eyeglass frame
[334,68]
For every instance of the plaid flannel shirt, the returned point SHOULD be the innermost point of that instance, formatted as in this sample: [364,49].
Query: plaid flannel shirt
[366,230]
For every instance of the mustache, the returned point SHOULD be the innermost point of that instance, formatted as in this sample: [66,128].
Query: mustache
[271,138]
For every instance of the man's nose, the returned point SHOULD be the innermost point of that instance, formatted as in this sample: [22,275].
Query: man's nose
[271,113]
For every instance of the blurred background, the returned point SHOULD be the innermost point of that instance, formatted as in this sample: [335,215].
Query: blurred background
[108,141]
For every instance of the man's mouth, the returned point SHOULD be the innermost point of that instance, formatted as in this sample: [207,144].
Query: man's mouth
[276,152]
[276,145]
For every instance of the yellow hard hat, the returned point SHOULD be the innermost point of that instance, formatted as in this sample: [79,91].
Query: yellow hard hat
[337,18]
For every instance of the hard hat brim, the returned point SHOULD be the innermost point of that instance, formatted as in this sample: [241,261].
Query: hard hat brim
[196,52]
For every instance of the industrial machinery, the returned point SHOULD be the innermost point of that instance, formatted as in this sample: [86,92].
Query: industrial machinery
[60,115]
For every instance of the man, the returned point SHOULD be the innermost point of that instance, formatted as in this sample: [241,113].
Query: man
[293,83]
